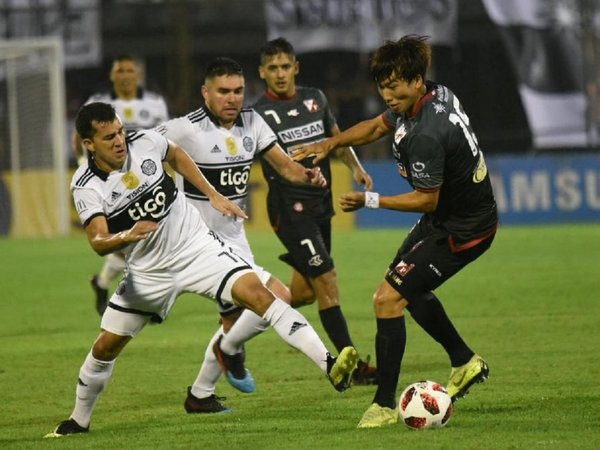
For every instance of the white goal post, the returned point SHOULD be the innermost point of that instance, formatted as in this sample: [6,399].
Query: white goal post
[33,143]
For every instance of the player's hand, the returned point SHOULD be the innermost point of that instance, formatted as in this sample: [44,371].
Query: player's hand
[364,179]
[227,207]
[351,201]
[315,177]
[319,150]
[139,231]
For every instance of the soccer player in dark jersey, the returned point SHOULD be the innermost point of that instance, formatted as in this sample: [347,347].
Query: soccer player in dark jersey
[301,215]
[437,152]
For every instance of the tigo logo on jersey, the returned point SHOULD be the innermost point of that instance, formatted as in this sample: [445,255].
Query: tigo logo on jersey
[153,206]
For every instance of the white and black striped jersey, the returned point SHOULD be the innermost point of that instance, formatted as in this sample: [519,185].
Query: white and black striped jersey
[140,190]
[147,110]
[224,156]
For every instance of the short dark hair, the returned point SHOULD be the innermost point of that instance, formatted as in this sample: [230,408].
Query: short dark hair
[124,57]
[276,46]
[222,66]
[406,58]
[97,111]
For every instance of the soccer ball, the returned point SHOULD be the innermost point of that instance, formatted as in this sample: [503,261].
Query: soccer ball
[425,404]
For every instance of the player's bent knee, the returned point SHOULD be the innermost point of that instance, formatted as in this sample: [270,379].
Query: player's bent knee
[388,304]
[252,294]
[108,346]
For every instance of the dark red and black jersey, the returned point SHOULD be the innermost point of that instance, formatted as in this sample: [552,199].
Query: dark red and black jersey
[436,149]
[298,120]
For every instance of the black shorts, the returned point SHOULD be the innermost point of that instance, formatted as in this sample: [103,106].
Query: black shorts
[425,260]
[307,240]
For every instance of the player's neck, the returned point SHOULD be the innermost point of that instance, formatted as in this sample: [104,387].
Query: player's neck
[290,93]
[126,95]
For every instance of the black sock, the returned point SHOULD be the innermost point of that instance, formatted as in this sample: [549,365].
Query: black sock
[429,313]
[335,326]
[390,343]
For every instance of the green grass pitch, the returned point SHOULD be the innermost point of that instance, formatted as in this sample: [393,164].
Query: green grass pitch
[530,306]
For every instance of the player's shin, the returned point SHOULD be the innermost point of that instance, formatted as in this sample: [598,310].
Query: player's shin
[390,343]
[210,371]
[93,378]
[247,326]
[296,331]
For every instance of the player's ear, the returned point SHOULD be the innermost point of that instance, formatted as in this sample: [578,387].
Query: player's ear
[296,67]
[87,143]
[261,72]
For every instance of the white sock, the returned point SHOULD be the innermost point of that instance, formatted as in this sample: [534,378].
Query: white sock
[296,331]
[248,325]
[114,265]
[93,378]
[210,371]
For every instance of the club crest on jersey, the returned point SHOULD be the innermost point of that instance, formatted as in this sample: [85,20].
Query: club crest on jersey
[293,112]
[400,133]
[402,268]
[231,145]
[248,143]
[312,105]
[439,108]
[149,167]
[315,261]
[130,180]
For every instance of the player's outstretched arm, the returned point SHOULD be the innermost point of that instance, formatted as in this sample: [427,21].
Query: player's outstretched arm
[183,164]
[104,242]
[362,133]
[292,170]
[348,156]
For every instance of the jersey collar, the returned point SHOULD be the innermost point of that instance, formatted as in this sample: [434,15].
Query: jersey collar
[272,96]
[417,108]
[238,121]
[101,173]
[140,94]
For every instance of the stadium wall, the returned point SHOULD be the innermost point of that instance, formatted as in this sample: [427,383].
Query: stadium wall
[528,189]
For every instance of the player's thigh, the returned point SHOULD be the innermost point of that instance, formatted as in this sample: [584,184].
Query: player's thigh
[212,273]
[140,297]
[425,266]
[308,247]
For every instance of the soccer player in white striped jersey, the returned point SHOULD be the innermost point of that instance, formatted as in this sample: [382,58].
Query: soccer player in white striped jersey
[139,109]
[224,139]
[127,202]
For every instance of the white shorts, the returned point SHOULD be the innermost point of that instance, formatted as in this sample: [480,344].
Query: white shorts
[209,269]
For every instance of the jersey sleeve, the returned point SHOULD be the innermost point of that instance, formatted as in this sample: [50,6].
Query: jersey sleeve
[389,118]
[426,163]
[163,111]
[154,142]
[88,204]
[329,117]
[265,137]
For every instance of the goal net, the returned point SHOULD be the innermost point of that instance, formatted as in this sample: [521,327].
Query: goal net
[33,149]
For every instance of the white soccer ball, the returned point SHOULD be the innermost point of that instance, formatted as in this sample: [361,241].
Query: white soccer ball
[425,404]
